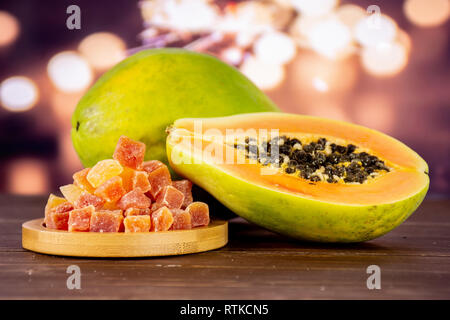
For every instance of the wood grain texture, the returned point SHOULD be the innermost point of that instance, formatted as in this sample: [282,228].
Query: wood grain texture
[256,264]
[36,237]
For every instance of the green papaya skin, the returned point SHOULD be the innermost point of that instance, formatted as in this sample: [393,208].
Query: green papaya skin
[148,91]
[291,215]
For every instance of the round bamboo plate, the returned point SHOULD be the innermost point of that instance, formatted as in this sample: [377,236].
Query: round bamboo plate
[36,237]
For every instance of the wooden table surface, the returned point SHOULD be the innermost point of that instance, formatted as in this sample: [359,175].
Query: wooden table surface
[256,264]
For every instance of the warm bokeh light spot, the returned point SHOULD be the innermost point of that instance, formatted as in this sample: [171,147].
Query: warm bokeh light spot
[330,38]
[69,72]
[27,176]
[427,13]
[374,30]
[384,60]
[9,28]
[102,50]
[275,47]
[265,76]
[232,55]
[350,14]
[18,94]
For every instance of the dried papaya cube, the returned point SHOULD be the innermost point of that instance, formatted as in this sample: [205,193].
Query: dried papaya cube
[152,165]
[181,220]
[80,219]
[159,178]
[127,178]
[140,223]
[136,212]
[162,219]
[71,192]
[106,221]
[134,199]
[57,220]
[80,180]
[110,206]
[103,171]
[87,199]
[52,202]
[140,180]
[185,186]
[111,190]
[199,212]
[129,153]
[170,197]
[58,217]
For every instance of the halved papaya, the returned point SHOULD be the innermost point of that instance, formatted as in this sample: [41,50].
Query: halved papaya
[305,177]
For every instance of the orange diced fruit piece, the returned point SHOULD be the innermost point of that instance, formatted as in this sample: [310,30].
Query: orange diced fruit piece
[170,197]
[129,153]
[159,178]
[134,199]
[52,202]
[149,166]
[185,186]
[79,219]
[103,171]
[80,180]
[110,206]
[181,220]
[58,217]
[71,192]
[111,190]
[127,178]
[162,219]
[87,199]
[199,212]
[139,223]
[140,180]
[106,221]
[136,212]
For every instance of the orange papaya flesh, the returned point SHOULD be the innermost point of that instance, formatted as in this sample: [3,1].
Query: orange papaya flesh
[288,203]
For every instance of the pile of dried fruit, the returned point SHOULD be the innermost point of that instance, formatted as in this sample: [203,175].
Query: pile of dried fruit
[125,194]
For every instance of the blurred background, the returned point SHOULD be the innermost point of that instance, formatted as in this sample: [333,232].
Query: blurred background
[382,64]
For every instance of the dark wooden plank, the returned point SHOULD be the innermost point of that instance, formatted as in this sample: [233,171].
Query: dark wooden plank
[257,264]
[220,275]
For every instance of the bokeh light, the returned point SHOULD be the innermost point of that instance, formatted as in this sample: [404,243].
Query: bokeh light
[69,72]
[384,60]
[314,8]
[232,55]
[102,50]
[194,16]
[266,76]
[27,176]
[350,14]
[18,94]
[275,48]
[330,38]
[9,28]
[427,13]
[374,30]
[320,84]
[404,40]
